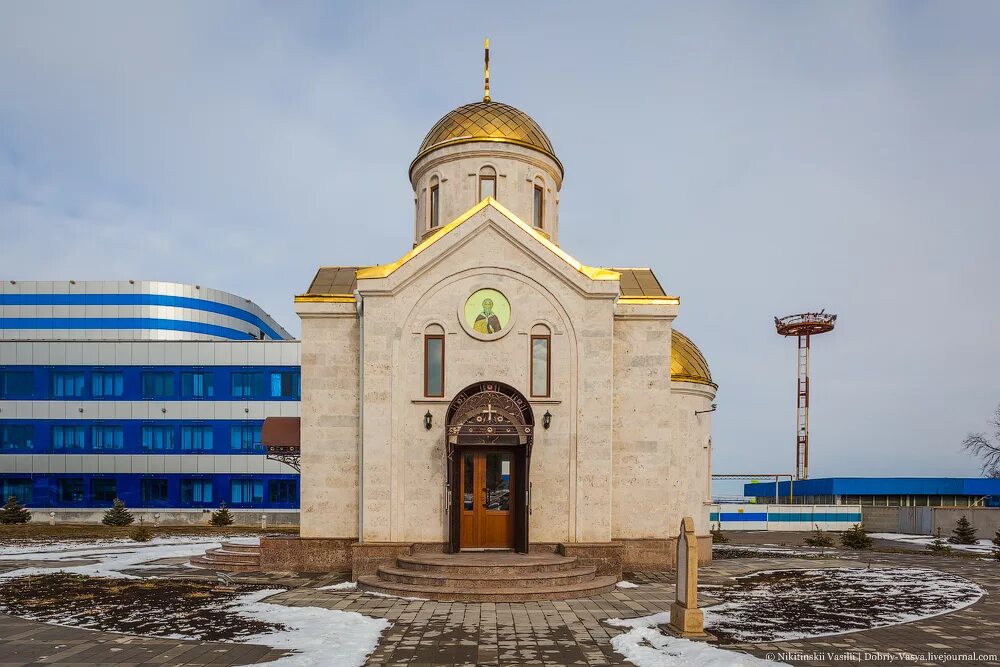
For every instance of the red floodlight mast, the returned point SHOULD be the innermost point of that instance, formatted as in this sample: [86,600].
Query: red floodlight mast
[804,326]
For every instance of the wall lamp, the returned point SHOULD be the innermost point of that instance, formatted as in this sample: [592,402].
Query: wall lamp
[547,420]
[428,420]
[701,412]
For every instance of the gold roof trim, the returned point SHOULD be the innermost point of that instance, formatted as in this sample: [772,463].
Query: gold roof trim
[331,284]
[687,363]
[385,270]
[640,287]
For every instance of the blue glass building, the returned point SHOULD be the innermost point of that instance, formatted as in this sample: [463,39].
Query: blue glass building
[147,391]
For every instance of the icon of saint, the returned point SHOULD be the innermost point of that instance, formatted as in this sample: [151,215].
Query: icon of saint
[487,322]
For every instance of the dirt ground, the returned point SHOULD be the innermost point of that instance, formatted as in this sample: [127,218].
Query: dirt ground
[13,534]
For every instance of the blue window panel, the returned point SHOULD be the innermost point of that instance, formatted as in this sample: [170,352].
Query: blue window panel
[21,489]
[246,491]
[283,491]
[157,384]
[67,384]
[244,438]
[285,384]
[68,438]
[69,490]
[196,491]
[154,492]
[124,323]
[157,438]
[105,437]
[197,438]
[17,438]
[107,384]
[17,384]
[743,516]
[197,385]
[247,384]
[103,490]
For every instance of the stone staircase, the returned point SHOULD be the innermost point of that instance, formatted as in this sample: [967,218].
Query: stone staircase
[231,557]
[487,577]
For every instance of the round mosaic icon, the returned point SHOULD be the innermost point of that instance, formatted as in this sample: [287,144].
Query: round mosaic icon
[487,311]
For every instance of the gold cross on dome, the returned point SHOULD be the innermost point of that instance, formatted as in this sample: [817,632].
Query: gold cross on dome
[486,72]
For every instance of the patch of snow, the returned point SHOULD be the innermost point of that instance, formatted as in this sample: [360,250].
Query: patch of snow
[626,584]
[774,550]
[398,597]
[320,637]
[981,546]
[24,550]
[644,645]
[342,586]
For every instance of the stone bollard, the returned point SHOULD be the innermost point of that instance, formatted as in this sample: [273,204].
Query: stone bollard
[52,518]
[263,522]
[156,520]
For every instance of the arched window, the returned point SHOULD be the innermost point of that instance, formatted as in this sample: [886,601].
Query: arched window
[434,361]
[539,204]
[487,183]
[541,361]
[434,203]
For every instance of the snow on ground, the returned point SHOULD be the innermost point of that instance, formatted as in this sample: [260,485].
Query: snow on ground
[981,547]
[321,636]
[112,556]
[645,645]
[342,586]
[626,584]
[774,550]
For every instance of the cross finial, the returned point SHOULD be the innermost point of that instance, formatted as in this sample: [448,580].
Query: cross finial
[486,73]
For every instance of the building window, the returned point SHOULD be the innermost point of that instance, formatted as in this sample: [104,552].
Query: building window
[541,362]
[285,384]
[487,183]
[107,384]
[434,204]
[17,437]
[106,437]
[246,491]
[196,438]
[157,384]
[539,210]
[283,491]
[157,438]
[67,384]
[153,492]
[19,488]
[103,490]
[196,491]
[244,438]
[196,385]
[69,491]
[68,438]
[247,385]
[16,384]
[434,362]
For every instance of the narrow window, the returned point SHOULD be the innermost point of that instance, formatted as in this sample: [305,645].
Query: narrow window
[434,364]
[433,204]
[539,206]
[487,183]
[541,366]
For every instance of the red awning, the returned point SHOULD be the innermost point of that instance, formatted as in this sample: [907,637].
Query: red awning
[281,432]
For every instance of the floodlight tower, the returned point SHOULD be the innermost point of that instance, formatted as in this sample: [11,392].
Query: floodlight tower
[804,326]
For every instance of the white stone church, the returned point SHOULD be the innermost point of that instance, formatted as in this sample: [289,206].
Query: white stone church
[487,390]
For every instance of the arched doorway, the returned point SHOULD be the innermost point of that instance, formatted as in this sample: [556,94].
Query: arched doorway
[489,434]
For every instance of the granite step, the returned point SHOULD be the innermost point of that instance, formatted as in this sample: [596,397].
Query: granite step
[244,548]
[227,556]
[230,557]
[487,564]
[209,564]
[497,592]
[527,579]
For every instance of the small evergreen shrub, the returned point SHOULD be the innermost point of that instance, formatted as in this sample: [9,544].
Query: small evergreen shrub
[118,515]
[141,533]
[222,516]
[856,537]
[819,538]
[939,546]
[718,537]
[14,512]
[963,532]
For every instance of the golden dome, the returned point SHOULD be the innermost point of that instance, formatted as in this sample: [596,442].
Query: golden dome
[687,364]
[487,121]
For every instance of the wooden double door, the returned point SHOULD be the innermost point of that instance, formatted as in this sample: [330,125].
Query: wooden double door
[487,499]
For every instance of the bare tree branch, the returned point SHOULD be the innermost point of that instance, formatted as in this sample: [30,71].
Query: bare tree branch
[979,446]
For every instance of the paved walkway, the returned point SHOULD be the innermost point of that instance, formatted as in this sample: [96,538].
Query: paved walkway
[534,633]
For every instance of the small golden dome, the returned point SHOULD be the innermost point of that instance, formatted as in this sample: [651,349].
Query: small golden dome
[687,363]
[487,121]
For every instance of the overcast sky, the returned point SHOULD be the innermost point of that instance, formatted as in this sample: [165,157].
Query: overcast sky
[763,159]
